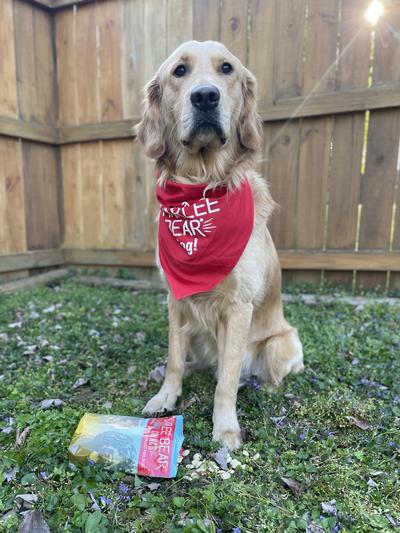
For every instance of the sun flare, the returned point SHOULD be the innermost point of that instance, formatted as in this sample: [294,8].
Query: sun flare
[374,12]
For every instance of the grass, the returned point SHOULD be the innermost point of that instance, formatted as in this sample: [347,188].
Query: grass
[352,361]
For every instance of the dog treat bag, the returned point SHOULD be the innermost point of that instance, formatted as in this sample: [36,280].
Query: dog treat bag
[144,446]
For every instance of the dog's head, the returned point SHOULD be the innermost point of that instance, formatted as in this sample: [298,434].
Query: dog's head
[201,101]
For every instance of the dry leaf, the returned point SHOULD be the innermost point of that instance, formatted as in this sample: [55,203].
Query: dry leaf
[79,382]
[153,486]
[360,423]
[221,457]
[25,501]
[30,350]
[188,402]
[46,404]
[21,438]
[293,485]
[329,507]
[157,374]
[34,523]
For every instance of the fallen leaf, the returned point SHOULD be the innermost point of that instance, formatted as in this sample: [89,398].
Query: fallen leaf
[293,485]
[372,483]
[4,337]
[188,402]
[157,374]
[30,350]
[34,523]
[48,358]
[107,405]
[25,501]
[21,438]
[52,308]
[153,486]
[221,457]
[360,423]
[15,325]
[79,382]
[329,507]
[51,402]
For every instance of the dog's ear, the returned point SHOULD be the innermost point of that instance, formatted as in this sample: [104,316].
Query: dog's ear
[250,126]
[151,129]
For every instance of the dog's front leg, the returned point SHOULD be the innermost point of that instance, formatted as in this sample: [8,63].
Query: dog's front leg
[231,349]
[166,398]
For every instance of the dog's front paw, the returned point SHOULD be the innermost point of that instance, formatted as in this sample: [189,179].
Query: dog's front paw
[163,401]
[229,437]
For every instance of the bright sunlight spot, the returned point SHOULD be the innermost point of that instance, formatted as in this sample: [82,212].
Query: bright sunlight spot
[374,12]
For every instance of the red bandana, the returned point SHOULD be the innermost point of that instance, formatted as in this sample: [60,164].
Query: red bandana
[202,234]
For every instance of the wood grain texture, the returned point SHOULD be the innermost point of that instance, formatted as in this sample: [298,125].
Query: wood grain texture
[42,213]
[179,23]
[281,171]
[320,47]
[72,205]
[233,29]
[109,23]
[66,67]
[8,73]
[132,79]
[289,40]
[91,192]
[86,66]
[12,206]
[32,259]
[206,20]
[261,58]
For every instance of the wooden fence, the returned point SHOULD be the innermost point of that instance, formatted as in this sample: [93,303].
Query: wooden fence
[76,188]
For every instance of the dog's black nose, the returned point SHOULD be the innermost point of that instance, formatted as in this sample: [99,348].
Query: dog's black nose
[205,97]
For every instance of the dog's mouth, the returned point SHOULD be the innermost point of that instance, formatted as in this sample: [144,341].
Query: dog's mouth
[205,131]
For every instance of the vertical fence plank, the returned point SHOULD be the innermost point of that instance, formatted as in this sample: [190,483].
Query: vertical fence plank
[41,196]
[109,24]
[206,20]
[45,74]
[72,183]
[348,136]
[261,58]
[320,48]
[234,27]
[8,74]
[281,171]
[86,65]
[113,194]
[25,56]
[382,148]
[12,208]
[92,194]
[179,23]
[66,66]
[132,57]
[289,41]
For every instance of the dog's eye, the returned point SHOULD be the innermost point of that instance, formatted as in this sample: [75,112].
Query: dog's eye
[179,71]
[226,68]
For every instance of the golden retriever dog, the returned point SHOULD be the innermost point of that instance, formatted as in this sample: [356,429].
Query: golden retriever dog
[200,124]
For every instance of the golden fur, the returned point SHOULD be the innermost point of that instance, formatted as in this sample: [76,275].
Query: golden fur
[238,327]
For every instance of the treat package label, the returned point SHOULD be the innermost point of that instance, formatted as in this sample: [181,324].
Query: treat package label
[144,446]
